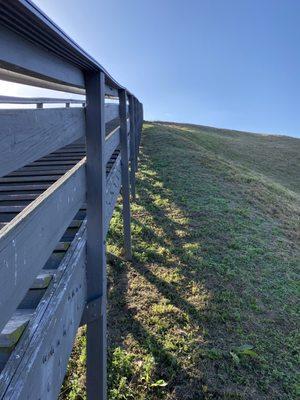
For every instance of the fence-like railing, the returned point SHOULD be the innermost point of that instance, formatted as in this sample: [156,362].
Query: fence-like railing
[61,172]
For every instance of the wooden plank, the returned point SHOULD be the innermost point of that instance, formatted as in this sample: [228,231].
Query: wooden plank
[132,147]
[26,135]
[35,172]
[18,197]
[111,111]
[42,280]
[29,179]
[62,246]
[37,100]
[125,174]
[45,219]
[14,328]
[96,257]
[45,353]
[21,187]
[11,209]
[50,163]
[111,143]
[22,56]
[113,187]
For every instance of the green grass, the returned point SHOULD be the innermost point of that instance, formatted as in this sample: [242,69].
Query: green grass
[208,307]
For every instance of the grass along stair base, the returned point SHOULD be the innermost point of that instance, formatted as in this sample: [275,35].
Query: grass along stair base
[208,307]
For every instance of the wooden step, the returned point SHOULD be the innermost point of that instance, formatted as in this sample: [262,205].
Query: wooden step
[37,290]
[62,246]
[14,328]
[54,260]
[42,281]
[23,187]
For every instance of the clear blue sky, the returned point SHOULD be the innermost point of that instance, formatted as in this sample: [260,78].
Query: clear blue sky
[225,63]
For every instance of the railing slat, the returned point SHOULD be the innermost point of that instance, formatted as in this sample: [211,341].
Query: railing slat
[26,135]
[29,239]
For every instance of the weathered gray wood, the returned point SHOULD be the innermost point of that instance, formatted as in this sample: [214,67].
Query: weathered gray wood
[60,262]
[43,363]
[23,187]
[113,187]
[111,111]
[45,219]
[42,280]
[20,55]
[132,146]
[49,163]
[111,143]
[24,179]
[37,100]
[125,174]
[26,135]
[61,246]
[136,133]
[25,172]
[96,258]
[16,197]
[14,328]
[12,76]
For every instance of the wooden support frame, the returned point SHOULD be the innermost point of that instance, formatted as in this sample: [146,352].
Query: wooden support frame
[125,174]
[34,51]
[96,248]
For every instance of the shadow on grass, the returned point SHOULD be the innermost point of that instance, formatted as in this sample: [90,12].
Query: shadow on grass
[219,242]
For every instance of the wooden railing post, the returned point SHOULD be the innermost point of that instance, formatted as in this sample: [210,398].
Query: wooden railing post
[125,173]
[96,258]
[132,146]
[136,133]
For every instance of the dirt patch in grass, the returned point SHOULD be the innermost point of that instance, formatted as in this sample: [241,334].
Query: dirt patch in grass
[208,307]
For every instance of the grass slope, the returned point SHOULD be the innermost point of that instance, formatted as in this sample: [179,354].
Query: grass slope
[208,308]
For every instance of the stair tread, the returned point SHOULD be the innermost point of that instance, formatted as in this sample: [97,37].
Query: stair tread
[42,280]
[14,328]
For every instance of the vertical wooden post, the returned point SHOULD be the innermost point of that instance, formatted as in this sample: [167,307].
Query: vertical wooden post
[132,146]
[136,133]
[125,173]
[96,258]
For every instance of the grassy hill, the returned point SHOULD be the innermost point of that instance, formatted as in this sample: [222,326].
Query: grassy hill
[208,308]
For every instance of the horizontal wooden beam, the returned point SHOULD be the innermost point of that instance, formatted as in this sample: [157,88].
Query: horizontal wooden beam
[111,111]
[35,100]
[22,56]
[26,135]
[28,240]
